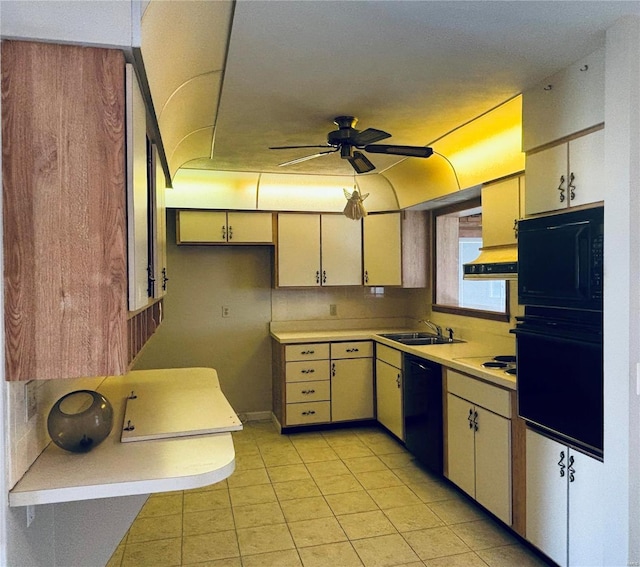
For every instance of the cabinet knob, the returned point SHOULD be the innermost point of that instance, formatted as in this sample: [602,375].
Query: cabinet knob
[230,233]
[398,381]
[353,350]
[224,232]
[475,421]
[561,188]
[324,276]
[165,279]
[572,471]
[366,276]
[470,418]
[515,228]
[561,463]
[307,352]
[308,391]
[307,371]
[317,276]
[571,187]
[310,412]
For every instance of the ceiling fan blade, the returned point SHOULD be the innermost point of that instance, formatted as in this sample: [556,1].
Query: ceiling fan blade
[298,147]
[369,136]
[360,163]
[306,158]
[409,151]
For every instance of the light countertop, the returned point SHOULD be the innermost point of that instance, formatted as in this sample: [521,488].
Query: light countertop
[143,467]
[454,355]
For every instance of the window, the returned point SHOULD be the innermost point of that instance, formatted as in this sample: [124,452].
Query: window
[458,239]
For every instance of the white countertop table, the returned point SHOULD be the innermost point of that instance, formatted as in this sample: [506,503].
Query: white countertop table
[142,467]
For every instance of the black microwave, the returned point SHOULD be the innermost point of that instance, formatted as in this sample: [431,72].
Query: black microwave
[560,260]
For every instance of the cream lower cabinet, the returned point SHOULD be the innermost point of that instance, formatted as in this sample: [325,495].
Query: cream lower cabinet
[324,383]
[479,442]
[221,227]
[352,381]
[307,384]
[563,516]
[389,380]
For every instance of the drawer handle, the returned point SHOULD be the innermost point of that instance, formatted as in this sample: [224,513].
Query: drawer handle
[308,352]
[308,391]
[333,369]
[308,371]
[353,350]
[561,188]
[310,412]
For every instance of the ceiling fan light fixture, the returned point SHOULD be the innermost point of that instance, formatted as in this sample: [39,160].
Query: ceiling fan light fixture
[360,163]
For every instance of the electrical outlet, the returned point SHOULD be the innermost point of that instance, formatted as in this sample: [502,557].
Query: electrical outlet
[333,309]
[31,514]
[30,399]
[226,311]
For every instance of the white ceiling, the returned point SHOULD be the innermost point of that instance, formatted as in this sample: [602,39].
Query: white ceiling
[416,69]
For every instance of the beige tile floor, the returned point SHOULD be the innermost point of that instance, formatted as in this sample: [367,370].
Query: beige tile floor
[339,498]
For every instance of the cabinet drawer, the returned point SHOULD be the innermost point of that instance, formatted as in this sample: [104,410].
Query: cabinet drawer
[389,355]
[307,371]
[318,390]
[310,412]
[356,349]
[312,351]
[477,392]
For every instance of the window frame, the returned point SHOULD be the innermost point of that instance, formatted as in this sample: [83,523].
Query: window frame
[454,309]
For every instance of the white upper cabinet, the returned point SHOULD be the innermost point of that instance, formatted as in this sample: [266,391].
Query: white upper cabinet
[318,250]
[220,227]
[500,212]
[569,101]
[137,194]
[341,250]
[382,249]
[569,174]
[298,250]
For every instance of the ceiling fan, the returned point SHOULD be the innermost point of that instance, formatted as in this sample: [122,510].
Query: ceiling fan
[346,138]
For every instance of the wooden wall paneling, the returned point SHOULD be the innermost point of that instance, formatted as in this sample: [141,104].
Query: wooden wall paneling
[64,210]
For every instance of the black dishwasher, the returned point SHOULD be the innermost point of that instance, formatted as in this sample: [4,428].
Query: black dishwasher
[422,397]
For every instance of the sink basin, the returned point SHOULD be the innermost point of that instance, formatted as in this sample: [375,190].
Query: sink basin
[419,339]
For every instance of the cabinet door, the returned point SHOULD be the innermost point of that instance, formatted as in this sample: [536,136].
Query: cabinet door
[500,211]
[586,164]
[160,230]
[250,227]
[202,227]
[493,463]
[585,517]
[389,398]
[352,389]
[567,102]
[460,444]
[137,194]
[546,176]
[382,243]
[547,496]
[341,250]
[298,250]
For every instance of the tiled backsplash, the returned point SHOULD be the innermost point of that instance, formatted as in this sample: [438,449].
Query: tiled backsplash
[351,303]
[27,439]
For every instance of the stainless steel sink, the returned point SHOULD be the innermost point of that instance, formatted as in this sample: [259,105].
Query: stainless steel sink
[419,339]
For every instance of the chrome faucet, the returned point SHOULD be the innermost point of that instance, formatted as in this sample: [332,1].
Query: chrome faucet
[433,326]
